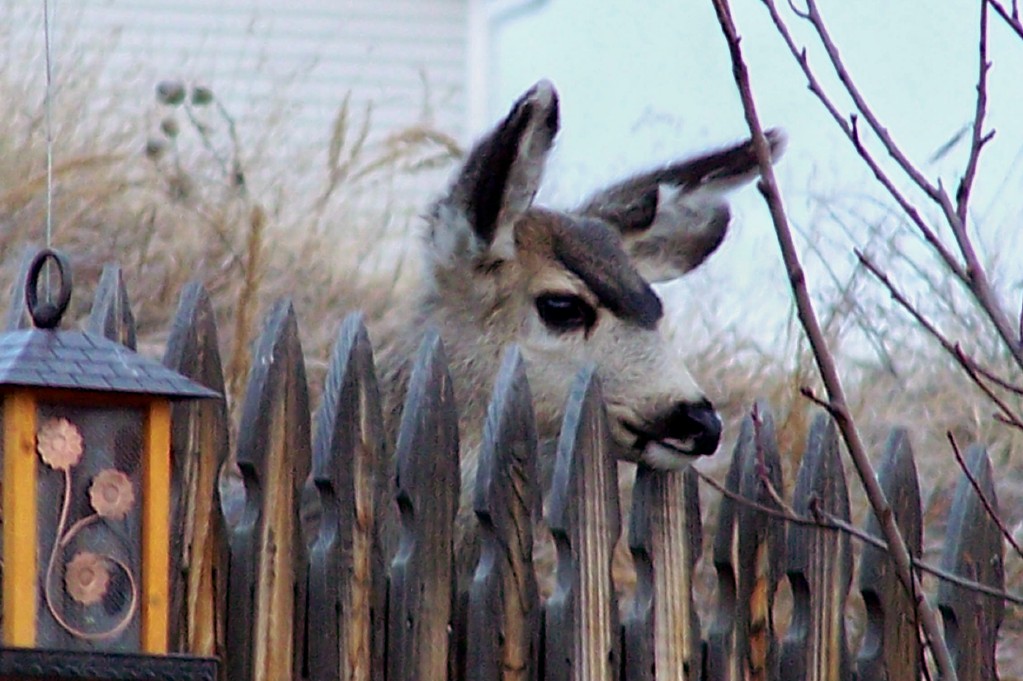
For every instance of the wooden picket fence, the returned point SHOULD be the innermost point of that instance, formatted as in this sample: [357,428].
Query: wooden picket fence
[285,576]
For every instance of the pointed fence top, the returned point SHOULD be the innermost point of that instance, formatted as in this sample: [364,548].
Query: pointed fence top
[46,357]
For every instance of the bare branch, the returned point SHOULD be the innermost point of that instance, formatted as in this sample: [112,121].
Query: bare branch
[827,521]
[971,271]
[979,138]
[988,508]
[1012,19]
[825,361]
[817,21]
[988,374]
[762,473]
[807,392]
[967,363]
[1019,330]
[849,128]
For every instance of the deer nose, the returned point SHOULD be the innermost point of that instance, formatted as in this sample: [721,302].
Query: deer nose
[691,427]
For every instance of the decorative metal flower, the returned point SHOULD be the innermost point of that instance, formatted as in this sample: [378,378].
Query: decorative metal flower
[111,494]
[59,443]
[87,577]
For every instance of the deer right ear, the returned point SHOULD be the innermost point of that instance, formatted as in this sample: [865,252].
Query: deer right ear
[673,218]
[498,180]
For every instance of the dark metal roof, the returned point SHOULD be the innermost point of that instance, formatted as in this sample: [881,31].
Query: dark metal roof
[42,358]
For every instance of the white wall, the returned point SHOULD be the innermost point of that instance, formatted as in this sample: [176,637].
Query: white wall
[407,57]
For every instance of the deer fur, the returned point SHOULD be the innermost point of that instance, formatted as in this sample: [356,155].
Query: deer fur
[493,259]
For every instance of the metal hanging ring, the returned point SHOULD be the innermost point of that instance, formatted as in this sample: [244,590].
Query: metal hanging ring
[47,315]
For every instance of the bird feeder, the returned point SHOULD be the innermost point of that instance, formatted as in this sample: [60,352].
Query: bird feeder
[86,471]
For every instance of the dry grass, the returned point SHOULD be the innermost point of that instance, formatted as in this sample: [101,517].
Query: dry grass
[187,200]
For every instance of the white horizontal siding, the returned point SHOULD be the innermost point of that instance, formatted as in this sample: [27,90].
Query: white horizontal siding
[314,50]
[293,62]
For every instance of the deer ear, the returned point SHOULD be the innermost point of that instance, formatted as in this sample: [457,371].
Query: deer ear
[499,178]
[673,218]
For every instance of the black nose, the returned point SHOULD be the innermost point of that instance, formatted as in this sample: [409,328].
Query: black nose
[693,423]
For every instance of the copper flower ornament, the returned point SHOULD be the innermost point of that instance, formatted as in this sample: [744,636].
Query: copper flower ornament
[59,443]
[111,494]
[86,577]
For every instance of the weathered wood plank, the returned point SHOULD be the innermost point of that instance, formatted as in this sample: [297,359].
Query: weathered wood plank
[581,630]
[266,595]
[749,555]
[111,315]
[974,550]
[346,611]
[761,548]
[199,450]
[421,593]
[504,605]
[891,643]
[819,566]
[17,316]
[721,664]
[662,630]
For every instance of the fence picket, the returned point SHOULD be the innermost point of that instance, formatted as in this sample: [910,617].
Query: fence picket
[504,604]
[111,315]
[720,663]
[973,549]
[266,594]
[278,565]
[346,601]
[421,592]
[581,632]
[199,449]
[662,630]
[819,565]
[761,547]
[891,642]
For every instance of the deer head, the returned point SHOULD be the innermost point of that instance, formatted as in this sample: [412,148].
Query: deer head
[578,287]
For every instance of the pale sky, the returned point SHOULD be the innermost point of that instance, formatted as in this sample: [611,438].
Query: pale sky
[647,81]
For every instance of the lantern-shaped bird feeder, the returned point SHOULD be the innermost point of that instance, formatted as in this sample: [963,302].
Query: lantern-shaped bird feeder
[85,447]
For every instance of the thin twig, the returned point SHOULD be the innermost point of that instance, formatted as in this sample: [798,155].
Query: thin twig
[979,139]
[849,128]
[1019,330]
[807,392]
[1008,416]
[990,375]
[988,508]
[813,16]
[1011,19]
[968,364]
[970,271]
[825,361]
[827,521]
[763,475]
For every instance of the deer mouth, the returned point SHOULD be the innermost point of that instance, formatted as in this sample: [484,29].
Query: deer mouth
[667,453]
[676,439]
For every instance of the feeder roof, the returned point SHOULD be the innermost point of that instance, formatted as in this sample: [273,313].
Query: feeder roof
[44,358]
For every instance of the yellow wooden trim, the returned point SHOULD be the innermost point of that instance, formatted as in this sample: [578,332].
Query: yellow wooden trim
[156,475]
[20,580]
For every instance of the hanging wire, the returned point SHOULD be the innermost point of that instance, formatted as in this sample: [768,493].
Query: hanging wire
[49,125]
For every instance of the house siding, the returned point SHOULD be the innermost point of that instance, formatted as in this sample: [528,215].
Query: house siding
[405,57]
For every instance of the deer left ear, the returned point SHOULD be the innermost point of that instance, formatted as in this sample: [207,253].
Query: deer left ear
[498,180]
[673,218]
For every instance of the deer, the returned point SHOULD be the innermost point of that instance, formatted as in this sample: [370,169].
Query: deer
[569,288]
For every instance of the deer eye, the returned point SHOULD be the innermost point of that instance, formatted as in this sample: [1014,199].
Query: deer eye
[565,312]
